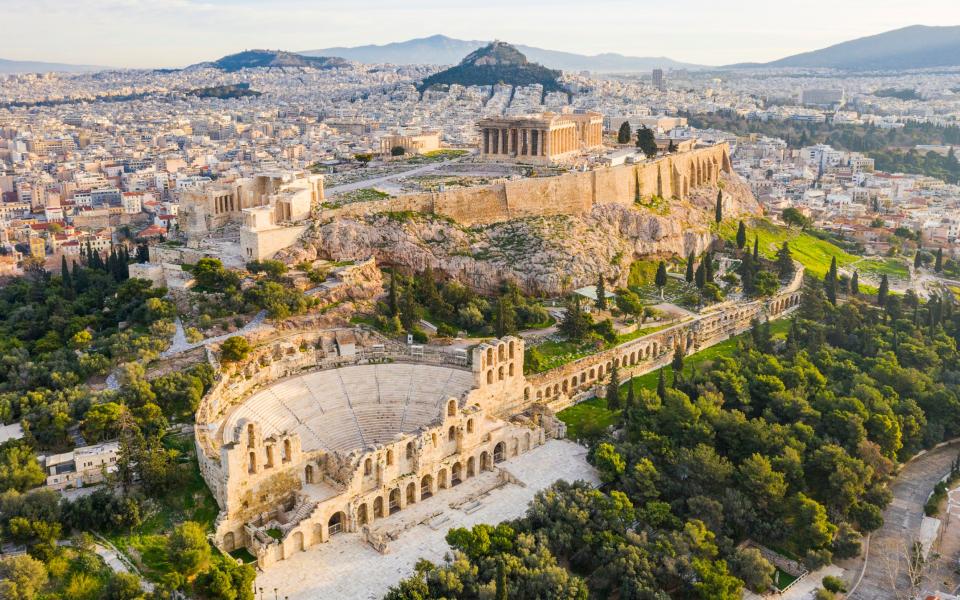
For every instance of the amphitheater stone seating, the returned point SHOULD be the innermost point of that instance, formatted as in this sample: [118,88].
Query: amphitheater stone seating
[352,407]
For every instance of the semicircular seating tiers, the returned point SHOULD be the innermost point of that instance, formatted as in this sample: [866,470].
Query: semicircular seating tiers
[352,407]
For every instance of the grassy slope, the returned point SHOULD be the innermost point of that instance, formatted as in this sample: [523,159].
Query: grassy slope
[594,412]
[815,254]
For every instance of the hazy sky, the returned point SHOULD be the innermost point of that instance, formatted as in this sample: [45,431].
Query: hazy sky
[174,33]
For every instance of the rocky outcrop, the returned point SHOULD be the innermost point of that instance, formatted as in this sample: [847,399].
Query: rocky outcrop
[546,254]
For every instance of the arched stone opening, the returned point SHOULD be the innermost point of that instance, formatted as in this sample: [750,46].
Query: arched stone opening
[337,523]
[378,507]
[411,493]
[456,477]
[442,479]
[426,487]
[362,515]
[308,474]
[471,467]
[485,463]
[394,500]
[229,541]
[499,452]
[452,408]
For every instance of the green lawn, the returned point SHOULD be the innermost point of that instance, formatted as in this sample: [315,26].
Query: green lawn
[892,267]
[813,253]
[593,414]
[781,579]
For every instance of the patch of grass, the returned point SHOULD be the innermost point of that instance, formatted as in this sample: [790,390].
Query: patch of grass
[640,332]
[591,414]
[813,253]
[891,267]
[275,533]
[361,195]
[244,555]
[782,579]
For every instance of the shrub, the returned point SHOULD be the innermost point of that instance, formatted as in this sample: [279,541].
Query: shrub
[834,584]
[234,348]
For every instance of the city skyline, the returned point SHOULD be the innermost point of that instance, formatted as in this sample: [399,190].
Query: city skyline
[151,33]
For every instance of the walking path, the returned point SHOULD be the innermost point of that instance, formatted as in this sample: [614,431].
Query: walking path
[366,183]
[902,522]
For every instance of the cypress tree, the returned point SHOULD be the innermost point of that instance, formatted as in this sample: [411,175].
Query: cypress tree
[601,293]
[917,260]
[677,364]
[883,291]
[746,274]
[66,281]
[741,236]
[938,264]
[689,274]
[830,282]
[700,277]
[502,593]
[625,133]
[708,266]
[756,249]
[661,278]
[631,395]
[719,211]
[661,385]
[855,283]
[613,390]
[392,296]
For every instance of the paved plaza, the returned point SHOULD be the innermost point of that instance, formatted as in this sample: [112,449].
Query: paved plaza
[347,567]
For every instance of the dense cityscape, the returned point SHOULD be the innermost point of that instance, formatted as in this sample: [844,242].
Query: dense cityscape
[321,327]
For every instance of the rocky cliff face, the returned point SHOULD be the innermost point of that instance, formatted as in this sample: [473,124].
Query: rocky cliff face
[541,254]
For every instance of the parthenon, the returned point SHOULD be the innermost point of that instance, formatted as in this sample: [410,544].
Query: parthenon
[540,138]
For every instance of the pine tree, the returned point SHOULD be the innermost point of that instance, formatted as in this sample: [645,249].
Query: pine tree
[661,385]
[830,282]
[613,390]
[689,274]
[756,249]
[883,291]
[719,210]
[601,293]
[625,133]
[938,264]
[741,236]
[661,278]
[855,283]
[785,268]
[574,324]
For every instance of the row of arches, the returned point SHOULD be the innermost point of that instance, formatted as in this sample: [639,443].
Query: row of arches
[504,351]
[782,304]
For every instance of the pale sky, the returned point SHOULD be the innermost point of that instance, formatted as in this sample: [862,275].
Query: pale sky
[175,33]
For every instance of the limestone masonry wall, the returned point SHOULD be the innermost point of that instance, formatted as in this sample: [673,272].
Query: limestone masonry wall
[570,194]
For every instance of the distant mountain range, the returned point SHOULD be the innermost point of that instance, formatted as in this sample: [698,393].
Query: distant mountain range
[914,47]
[252,59]
[30,66]
[497,62]
[443,50]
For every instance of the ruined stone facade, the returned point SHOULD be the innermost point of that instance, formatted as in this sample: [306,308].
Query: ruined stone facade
[319,432]
[541,138]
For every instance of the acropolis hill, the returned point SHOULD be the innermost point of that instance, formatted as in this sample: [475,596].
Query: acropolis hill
[544,233]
